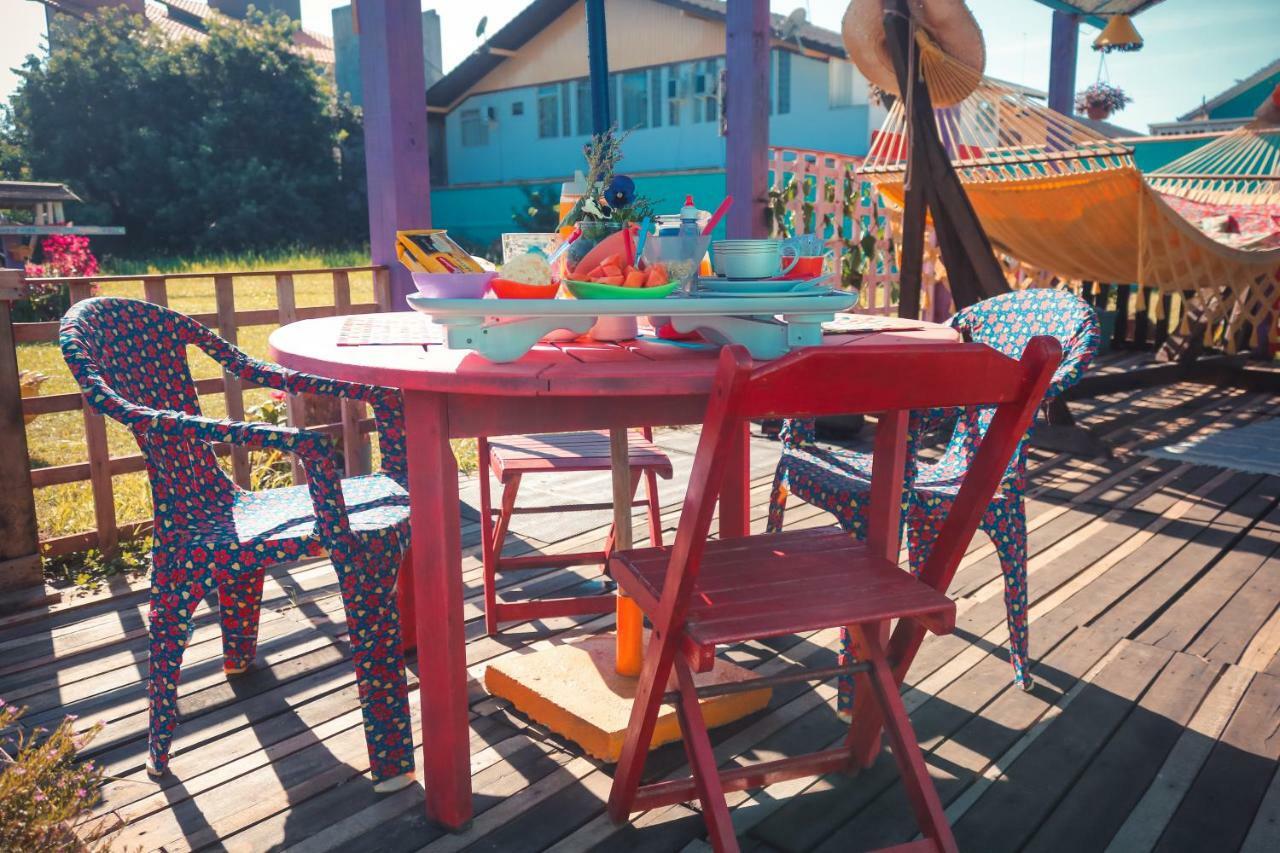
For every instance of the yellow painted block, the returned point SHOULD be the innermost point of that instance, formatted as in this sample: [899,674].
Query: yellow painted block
[573,690]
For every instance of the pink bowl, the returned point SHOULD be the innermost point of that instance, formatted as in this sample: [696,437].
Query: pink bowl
[457,285]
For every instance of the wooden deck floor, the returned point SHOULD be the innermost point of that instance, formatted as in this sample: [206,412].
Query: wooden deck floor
[1154,725]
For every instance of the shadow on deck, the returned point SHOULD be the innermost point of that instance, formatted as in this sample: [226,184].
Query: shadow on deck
[1154,627]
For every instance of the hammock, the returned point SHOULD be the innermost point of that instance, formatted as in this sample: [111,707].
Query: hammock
[1058,196]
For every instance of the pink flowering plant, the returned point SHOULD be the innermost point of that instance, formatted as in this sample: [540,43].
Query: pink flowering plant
[270,469]
[44,790]
[63,256]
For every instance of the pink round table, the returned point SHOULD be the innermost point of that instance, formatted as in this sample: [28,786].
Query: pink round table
[554,388]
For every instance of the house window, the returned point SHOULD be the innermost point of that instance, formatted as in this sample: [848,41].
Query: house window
[566,125]
[706,90]
[582,89]
[676,92]
[784,82]
[845,86]
[655,94]
[613,100]
[635,100]
[548,112]
[517,108]
[475,129]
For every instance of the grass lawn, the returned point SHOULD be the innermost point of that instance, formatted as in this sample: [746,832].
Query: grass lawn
[58,439]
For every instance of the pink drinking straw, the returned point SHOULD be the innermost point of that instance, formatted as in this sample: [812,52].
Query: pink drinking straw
[718,215]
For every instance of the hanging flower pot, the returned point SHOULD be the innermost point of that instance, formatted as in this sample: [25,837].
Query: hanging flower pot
[1101,100]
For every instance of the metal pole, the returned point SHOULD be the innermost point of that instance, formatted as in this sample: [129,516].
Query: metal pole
[1063,47]
[598,63]
[397,167]
[747,42]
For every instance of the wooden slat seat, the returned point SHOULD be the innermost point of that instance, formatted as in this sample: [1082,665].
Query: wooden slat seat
[510,458]
[773,585]
[571,451]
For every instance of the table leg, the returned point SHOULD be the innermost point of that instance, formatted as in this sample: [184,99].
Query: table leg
[629,652]
[735,494]
[437,583]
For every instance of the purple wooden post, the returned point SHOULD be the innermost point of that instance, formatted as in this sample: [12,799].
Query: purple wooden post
[396,161]
[747,40]
[1063,46]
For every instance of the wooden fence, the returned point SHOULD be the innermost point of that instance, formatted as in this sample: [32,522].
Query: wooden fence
[818,192]
[17,492]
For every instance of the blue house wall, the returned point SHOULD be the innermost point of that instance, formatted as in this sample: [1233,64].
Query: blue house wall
[512,149]
[506,152]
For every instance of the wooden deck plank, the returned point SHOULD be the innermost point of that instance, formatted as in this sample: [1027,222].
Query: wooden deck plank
[1119,547]
[1100,800]
[1148,818]
[1218,810]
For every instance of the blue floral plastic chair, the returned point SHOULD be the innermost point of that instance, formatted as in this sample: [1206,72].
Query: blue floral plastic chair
[130,359]
[839,480]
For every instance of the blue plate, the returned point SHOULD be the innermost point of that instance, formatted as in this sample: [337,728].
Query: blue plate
[752,286]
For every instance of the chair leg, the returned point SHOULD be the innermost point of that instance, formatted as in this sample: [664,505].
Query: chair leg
[240,606]
[655,508]
[702,763]
[1006,523]
[367,581]
[406,604]
[778,500]
[906,750]
[175,593]
[493,553]
[651,492]
[658,660]
[845,684]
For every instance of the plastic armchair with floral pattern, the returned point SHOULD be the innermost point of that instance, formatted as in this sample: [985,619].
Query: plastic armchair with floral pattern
[130,359]
[837,480]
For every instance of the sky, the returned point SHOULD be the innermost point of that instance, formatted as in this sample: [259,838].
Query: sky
[1194,48]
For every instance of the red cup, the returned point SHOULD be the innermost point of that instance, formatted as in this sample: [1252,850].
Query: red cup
[807,268]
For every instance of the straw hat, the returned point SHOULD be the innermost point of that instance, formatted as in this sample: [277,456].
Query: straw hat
[1268,112]
[949,24]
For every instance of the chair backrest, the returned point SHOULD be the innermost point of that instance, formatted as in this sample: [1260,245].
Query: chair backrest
[130,359]
[1008,323]
[885,379]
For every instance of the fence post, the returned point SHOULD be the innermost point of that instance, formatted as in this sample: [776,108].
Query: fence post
[20,569]
[95,436]
[225,298]
[382,289]
[356,450]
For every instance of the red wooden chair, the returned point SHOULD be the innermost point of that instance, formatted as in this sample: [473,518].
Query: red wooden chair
[512,458]
[700,595]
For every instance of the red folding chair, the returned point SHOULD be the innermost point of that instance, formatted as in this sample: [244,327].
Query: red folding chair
[512,458]
[700,595]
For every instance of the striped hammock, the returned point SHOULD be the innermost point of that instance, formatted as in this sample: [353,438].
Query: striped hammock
[1058,196]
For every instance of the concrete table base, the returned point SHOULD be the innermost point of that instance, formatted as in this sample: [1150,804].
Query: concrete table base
[573,690]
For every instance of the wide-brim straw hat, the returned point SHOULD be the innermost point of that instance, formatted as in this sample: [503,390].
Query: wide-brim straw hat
[950,26]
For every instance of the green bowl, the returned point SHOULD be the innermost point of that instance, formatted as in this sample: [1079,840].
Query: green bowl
[594,290]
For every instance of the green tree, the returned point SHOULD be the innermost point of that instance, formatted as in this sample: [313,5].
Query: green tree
[231,142]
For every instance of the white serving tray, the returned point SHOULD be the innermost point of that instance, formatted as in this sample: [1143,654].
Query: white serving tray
[503,330]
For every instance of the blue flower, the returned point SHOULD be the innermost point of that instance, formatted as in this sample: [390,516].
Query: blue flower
[620,192]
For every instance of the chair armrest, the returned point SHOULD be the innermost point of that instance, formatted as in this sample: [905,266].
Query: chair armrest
[315,450]
[387,403]
[302,443]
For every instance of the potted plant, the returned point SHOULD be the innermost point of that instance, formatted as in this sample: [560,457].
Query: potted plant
[1100,100]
